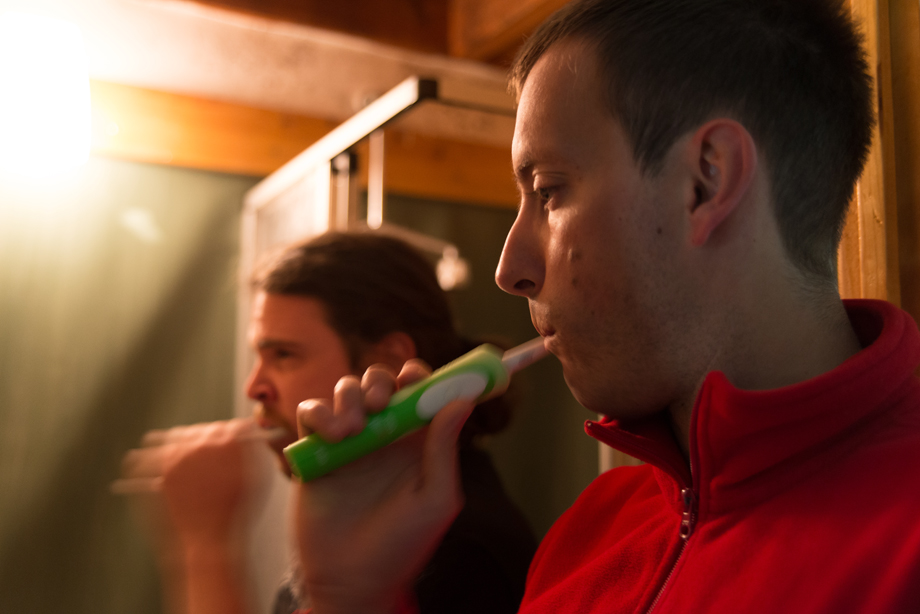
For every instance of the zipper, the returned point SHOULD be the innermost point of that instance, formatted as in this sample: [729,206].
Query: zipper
[688,495]
[688,518]
[687,522]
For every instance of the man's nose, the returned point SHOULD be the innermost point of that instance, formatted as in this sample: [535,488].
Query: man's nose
[521,267]
[258,386]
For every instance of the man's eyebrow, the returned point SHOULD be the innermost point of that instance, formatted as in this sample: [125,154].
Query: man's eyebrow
[271,344]
[523,171]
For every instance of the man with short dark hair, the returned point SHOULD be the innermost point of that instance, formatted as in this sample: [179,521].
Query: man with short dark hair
[684,168]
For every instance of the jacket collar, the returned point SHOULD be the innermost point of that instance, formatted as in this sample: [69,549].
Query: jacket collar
[744,441]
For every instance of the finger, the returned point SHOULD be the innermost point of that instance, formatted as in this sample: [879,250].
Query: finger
[314,416]
[413,371]
[142,471]
[135,486]
[177,434]
[143,463]
[377,385]
[440,471]
[348,407]
[154,438]
[235,428]
[223,431]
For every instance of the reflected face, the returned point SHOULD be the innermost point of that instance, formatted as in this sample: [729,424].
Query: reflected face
[298,357]
[595,243]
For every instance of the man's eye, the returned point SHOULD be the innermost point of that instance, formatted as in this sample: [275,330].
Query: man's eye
[544,195]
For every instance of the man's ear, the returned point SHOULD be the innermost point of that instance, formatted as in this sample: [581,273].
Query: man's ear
[723,158]
[394,350]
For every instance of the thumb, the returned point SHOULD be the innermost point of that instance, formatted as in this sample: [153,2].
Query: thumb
[440,474]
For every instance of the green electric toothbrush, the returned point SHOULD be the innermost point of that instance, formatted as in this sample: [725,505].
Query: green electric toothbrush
[479,374]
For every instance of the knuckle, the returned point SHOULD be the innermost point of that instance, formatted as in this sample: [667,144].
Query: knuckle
[346,383]
[311,409]
[376,375]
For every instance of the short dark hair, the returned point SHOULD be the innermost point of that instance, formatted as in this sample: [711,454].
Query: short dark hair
[793,72]
[371,285]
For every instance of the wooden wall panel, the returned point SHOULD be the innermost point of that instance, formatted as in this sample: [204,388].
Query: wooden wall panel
[905,61]
[868,255]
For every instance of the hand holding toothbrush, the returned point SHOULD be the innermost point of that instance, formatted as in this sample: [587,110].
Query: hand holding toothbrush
[365,531]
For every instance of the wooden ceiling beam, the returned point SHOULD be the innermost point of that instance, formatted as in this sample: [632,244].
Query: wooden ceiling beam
[149,126]
[420,25]
[492,30]
[485,30]
[163,128]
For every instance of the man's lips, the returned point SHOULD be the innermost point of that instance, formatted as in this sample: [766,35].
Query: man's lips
[548,332]
[544,329]
[539,317]
[281,434]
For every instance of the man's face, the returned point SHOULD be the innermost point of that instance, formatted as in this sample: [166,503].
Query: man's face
[298,357]
[596,244]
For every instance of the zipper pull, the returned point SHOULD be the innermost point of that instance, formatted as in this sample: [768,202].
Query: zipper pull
[689,515]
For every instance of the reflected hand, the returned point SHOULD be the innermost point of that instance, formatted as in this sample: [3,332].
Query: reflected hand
[208,477]
[196,489]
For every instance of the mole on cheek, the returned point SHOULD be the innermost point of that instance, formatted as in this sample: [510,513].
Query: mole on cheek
[574,256]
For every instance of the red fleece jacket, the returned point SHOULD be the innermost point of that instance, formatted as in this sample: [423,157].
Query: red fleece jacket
[801,499]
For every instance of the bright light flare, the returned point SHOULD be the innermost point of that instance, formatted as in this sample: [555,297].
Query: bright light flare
[44,96]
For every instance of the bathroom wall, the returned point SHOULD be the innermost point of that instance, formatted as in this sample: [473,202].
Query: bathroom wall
[116,316]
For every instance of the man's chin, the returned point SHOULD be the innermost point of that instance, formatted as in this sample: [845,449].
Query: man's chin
[277,447]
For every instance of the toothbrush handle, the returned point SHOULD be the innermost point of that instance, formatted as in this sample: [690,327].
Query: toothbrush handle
[477,375]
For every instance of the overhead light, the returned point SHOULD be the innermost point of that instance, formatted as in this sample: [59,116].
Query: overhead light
[452,270]
[44,96]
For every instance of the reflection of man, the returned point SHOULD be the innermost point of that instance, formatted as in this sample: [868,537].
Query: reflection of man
[324,310]
[684,167]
